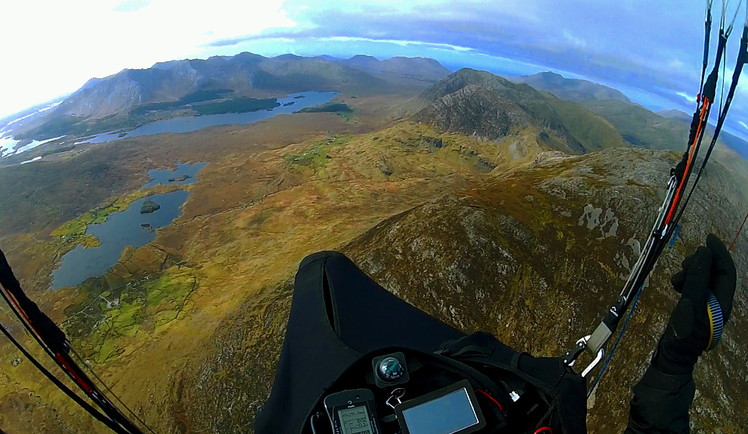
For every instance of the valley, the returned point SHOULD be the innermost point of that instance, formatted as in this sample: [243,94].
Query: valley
[467,195]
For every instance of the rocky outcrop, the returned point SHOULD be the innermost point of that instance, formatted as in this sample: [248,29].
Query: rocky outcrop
[481,104]
[149,206]
[534,256]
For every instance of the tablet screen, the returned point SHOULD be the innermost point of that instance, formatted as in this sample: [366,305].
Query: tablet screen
[447,414]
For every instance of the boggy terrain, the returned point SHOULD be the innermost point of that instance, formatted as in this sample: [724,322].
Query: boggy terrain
[483,224]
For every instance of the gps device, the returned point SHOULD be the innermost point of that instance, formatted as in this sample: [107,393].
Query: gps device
[352,412]
[453,409]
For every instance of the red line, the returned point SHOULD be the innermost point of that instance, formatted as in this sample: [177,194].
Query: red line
[18,309]
[737,234]
[73,373]
[491,398]
[691,157]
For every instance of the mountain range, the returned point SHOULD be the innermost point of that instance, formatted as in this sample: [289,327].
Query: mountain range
[569,88]
[515,207]
[109,103]
[168,89]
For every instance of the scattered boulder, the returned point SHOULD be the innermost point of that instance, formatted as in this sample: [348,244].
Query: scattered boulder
[149,206]
[180,178]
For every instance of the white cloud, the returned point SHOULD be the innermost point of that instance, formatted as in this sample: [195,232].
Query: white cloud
[400,42]
[574,40]
[52,47]
[686,96]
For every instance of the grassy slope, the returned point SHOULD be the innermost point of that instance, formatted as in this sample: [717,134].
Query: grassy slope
[335,200]
[273,207]
[272,193]
[34,255]
[593,131]
[641,127]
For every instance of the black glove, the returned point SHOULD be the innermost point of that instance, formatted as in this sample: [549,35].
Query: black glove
[688,333]
[680,169]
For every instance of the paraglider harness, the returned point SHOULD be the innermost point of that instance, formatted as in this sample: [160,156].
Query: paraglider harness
[357,359]
[446,382]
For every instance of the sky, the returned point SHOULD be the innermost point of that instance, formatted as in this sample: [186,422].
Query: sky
[650,50]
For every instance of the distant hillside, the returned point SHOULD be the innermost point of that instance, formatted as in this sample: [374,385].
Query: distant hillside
[485,105]
[665,129]
[732,141]
[110,103]
[246,74]
[674,114]
[517,255]
[642,127]
[417,71]
[570,89]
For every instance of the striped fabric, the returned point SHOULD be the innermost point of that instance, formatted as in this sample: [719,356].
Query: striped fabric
[716,320]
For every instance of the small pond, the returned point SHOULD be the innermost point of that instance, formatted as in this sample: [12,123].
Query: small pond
[128,227]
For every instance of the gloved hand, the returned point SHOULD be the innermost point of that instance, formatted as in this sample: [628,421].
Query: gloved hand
[688,332]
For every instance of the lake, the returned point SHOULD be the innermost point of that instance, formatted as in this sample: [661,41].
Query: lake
[128,227]
[183,174]
[288,105]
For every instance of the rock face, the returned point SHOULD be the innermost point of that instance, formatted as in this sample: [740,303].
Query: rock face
[242,73]
[180,178]
[485,232]
[149,206]
[533,256]
[481,104]
[110,103]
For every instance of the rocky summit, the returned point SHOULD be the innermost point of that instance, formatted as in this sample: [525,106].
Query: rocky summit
[489,204]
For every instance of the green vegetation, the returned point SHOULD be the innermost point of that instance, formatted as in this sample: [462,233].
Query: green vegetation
[204,95]
[105,317]
[315,157]
[330,107]
[592,131]
[194,97]
[74,229]
[57,151]
[197,101]
[156,106]
[341,109]
[641,127]
[238,105]
[56,127]
[89,240]
[83,126]
[346,116]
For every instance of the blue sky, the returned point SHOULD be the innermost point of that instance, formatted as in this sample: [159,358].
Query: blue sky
[649,50]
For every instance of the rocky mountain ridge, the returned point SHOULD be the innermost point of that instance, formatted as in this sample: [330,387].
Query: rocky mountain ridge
[109,102]
[472,206]
[532,255]
[485,105]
